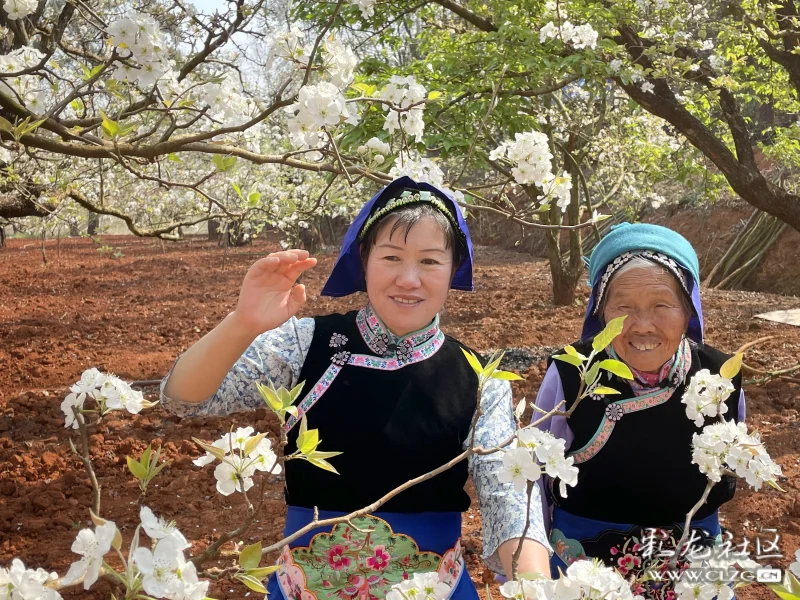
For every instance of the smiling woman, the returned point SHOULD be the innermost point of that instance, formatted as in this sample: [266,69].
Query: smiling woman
[386,388]
[634,449]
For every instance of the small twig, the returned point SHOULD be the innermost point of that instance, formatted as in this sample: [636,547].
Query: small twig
[87,462]
[687,526]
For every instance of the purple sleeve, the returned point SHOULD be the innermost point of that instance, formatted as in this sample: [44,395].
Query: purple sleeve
[550,394]
[742,408]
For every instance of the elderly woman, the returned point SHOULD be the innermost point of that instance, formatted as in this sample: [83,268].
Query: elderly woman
[634,450]
[387,388]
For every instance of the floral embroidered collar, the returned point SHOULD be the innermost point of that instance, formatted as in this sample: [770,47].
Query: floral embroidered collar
[386,344]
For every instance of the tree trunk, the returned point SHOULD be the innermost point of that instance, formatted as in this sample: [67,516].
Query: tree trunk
[213,230]
[565,272]
[16,205]
[93,224]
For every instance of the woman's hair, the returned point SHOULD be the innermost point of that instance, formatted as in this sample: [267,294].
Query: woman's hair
[642,263]
[404,218]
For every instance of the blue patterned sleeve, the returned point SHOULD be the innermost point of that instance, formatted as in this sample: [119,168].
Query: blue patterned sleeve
[502,509]
[277,355]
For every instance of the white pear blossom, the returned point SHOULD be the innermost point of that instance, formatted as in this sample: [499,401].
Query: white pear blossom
[648,88]
[19,9]
[705,396]
[340,62]
[727,445]
[19,583]
[264,459]
[230,473]
[92,546]
[579,36]
[72,401]
[407,106]
[159,567]
[317,106]
[367,7]
[519,469]
[158,528]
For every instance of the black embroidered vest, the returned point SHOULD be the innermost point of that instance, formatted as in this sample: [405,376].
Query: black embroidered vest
[390,425]
[644,473]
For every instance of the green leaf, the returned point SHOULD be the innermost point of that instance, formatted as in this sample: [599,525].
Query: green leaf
[592,374]
[253,443]
[145,459]
[573,360]
[308,442]
[774,484]
[136,469]
[572,352]
[5,125]
[602,390]
[262,572]
[616,367]
[218,453]
[238,191]
[253,198]
[323,455]
[323,464]
[295,391]
[506,376]
[223,163]
[731,367]
[253,583]
[605,337]
[173,157]
[433,95]
[473,361]
[250,556]
[270,397]
[111,128]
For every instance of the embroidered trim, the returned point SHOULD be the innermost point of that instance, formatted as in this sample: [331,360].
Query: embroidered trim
[406,198]
[625,258]
[616,410]
[362,558]
[377,337]
[311,398]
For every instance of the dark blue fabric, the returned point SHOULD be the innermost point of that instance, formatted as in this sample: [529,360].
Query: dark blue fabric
[347,276]
[433,531]
[580,528]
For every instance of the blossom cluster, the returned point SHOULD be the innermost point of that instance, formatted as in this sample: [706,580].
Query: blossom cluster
[705,396]
[578,36]
[19,583]
[519,466]
[367,7]
[375,149]
[110,393]
[33,90]
[407,107]
[19,9]
[421,586]
[582,579]
[236,468]
[530,152]
[318,106]
[162,572]
[728,446]
[139,37]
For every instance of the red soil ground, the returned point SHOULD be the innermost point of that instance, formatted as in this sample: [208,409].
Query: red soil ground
[133,315]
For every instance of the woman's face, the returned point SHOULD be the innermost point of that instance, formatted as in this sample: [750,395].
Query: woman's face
[657,317]
[408,277]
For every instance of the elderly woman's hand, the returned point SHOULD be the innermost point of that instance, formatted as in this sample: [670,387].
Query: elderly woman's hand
[269,295]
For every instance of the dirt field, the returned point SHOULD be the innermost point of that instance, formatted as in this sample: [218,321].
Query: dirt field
[133,315]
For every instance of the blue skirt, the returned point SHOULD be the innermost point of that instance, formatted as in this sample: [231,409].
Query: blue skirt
[432,533]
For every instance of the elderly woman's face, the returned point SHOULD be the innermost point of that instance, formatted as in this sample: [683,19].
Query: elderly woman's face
[657,317]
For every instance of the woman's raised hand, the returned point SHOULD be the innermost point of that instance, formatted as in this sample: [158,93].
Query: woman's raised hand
[269,296]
